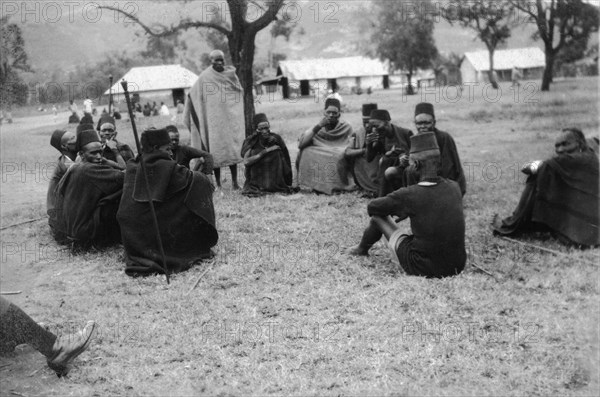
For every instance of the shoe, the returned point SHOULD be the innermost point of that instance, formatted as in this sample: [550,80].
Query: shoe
[357,251]
[67,347]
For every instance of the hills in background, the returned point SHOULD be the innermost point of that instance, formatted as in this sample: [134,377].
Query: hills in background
[324,29]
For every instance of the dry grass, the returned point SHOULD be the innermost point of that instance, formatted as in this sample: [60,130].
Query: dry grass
[283,312]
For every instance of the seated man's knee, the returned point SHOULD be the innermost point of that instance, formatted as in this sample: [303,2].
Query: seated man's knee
[392,173]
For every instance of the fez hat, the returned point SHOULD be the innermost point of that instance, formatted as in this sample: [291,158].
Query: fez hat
[424,146]
[259,118]
[153,137]
[83,127]
[85,136]
[424,107]
[107,125]
[333,102]
[56,138]
[171,128]
[367,108]
[380,114]
[107,118]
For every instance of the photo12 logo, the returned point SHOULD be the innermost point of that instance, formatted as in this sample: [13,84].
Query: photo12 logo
[71,11]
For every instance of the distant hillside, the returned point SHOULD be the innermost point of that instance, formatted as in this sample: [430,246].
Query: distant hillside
[328,32]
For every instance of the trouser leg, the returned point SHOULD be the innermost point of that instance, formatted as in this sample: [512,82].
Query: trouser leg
[16,328]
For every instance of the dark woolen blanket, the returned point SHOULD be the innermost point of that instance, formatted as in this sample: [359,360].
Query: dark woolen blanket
[186,216]
[567,196]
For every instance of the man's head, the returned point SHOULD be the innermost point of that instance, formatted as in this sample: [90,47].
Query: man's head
[380,119]
[570,140]
[261,124]
[332,111]
[425,153]
[367,108]
[217,59]
[89,146]
[108,132]
[56,140]
[156,140]
[424,117]
[173,136]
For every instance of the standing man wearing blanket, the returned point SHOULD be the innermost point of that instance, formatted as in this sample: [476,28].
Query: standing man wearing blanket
[214,114]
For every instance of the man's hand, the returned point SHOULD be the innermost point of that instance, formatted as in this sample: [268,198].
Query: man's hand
[372,137]
[324,122]
[394,152]
[403,160]
[531,168]
[271,141]
[112,145]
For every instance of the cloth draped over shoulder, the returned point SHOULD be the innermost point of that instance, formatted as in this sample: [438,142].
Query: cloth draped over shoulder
[90,195]
[185,212]
[322,165]
[214,114]
[272,173]
[563,196]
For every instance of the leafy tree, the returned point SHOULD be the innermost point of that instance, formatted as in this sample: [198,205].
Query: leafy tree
[13,58]
[162,48]
[240,34]
[490,19]
[405,40]
[560,23]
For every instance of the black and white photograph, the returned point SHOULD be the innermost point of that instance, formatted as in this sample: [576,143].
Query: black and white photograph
[299,198]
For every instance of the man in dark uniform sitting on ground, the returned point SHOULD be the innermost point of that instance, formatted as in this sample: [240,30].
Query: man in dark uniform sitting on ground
[112,149]
[434,205]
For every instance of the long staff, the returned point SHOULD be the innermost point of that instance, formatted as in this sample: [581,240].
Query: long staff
[110,84]
[143,166]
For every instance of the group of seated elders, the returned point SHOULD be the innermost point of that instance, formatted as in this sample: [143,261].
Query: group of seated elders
[184,208]
[434,205]
[365,172]
[184,154]
[451,167]
[321,164]
[560,195]
[267,160]
[65,142]
[90,191]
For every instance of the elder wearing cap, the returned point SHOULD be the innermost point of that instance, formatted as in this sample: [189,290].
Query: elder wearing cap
[321,163]
[90,191]
[65,142]
[214,114]
[183,154]
[267,160]
[365,173]
[451,167]
[436,247]
[388,142]
[112,149]
[184,209]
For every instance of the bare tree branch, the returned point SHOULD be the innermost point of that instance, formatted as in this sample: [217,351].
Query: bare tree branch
[183,25]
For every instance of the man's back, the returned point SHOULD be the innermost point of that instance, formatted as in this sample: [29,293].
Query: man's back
[437,222]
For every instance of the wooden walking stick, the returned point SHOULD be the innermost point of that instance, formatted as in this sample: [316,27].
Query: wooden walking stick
[143,169]
[110,84]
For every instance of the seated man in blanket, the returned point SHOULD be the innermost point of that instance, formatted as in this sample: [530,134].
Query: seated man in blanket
[267,160]
[183,202]
[321,162]
[560,195]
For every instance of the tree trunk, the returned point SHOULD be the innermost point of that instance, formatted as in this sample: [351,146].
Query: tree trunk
[491,75]
[409,88]
[241,48]
[548,70]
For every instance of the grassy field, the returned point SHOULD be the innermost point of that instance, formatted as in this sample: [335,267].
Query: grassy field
[282,311]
